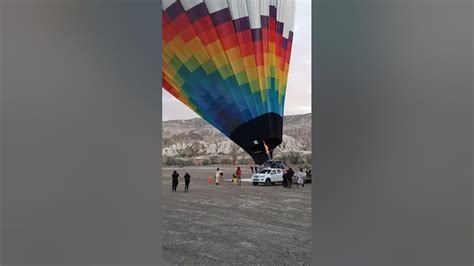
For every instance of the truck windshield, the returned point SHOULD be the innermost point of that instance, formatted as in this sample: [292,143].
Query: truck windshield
[264,171]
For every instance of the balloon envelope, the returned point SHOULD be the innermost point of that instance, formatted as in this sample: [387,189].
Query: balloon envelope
[228,61]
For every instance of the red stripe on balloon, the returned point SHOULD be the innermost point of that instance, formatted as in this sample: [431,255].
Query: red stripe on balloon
[225,29]
[188,33]
[229,42]
[246,49]
[208,36]
[203,24]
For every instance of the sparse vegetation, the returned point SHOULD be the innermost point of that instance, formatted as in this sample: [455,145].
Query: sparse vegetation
[178,162]
[214,160]
[226,161]
[245,161]
[292,158]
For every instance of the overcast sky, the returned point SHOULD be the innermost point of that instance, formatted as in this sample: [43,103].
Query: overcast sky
[298,92]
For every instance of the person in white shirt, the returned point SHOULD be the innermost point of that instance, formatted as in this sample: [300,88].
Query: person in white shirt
[300,178]
[218,176]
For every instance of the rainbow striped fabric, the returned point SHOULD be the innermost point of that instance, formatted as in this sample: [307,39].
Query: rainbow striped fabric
[228,60]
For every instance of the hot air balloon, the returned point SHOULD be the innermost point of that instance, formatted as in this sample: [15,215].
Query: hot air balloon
[228,61]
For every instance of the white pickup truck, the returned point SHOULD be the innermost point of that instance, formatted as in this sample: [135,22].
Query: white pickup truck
[268,176]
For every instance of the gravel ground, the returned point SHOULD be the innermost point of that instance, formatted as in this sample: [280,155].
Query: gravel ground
[234,225]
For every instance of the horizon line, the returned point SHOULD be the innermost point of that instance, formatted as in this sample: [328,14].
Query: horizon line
[204,119]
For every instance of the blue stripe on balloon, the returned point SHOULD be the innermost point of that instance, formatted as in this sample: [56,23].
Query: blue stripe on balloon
[245,101]
[213,97]
[224,103]
[249,99]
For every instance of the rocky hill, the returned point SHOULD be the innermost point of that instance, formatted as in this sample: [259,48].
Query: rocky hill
[196,139]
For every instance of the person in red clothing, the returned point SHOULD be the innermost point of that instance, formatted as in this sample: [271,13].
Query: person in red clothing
[238,173]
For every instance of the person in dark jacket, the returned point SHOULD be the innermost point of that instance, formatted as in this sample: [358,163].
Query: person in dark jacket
[187,179]
[174,181]
[285,179]
[290,170]
[291,173]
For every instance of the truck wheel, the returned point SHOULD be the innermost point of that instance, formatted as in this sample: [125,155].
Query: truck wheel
[255,183]
[268,182]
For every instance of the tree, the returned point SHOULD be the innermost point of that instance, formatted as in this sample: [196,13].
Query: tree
[213,160]
[293,158]
[234,150]
[225,161]
[245,161]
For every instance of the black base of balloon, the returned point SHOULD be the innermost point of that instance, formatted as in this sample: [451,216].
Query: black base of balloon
[254,134]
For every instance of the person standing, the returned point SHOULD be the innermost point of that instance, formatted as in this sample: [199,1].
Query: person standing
[285,179]
[251,169]
[238,173]
[218,176]
[300,180]
[290,177]
[187,179]
[291,171]
[174,181]
[308,172]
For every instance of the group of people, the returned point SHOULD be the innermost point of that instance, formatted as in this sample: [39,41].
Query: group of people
[287,178]
[187,179]
[290,174]
[237,175]
[175,181]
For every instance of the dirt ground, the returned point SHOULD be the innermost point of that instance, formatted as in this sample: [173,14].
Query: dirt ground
[238,225]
